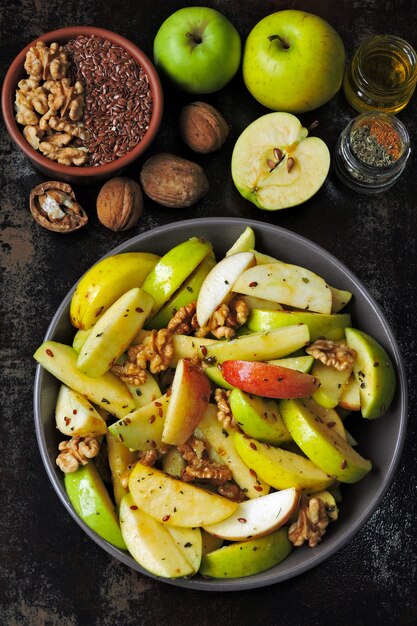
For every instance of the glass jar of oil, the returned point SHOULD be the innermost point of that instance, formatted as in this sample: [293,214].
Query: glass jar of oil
[382,75]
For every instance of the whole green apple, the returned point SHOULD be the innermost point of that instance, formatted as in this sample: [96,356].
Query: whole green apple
[293,61]
[198,49]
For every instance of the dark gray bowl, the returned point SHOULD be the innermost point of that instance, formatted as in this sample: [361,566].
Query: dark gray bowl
[379,440]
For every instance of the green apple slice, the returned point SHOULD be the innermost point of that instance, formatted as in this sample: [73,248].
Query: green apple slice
[332,383]
[174,502]
[219,282]
[272,162]
[145,393]
[75,416]
[215,375]
[221,441]
[79,339]
[173,269]
[340,297]
[91,501]
[300,363]
[142,429]
[173,463]
[257,346]
[189,542]
[287,284]
[374,373]
[150,543]
[323,445]
[258,417]
[113,332]
[119,458]
[319,324]
[244,243]
[350,398]
[260,303]
[185,346]
[259,517]
[330,417]
[187,293]
[280,468]
[247,558]
[107,391]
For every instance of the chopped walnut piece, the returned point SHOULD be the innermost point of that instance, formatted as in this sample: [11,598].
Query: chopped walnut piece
[224,414]
[199,467]
[181,322]
[75,129]
[76,452]
[203,469]
[45,62]
[224,321]
[130,373]
[66,156]
[332,353]
[311,523]
[157,350]
[232,491]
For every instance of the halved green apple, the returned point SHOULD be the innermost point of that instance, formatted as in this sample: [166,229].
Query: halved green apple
[374,373]
[272,162]
[323,445]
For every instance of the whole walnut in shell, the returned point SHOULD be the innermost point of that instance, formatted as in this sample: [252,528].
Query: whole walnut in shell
[202,127]
[173,181]
[120,203]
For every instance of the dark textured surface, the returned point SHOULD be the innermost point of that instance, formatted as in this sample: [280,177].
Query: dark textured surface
[51,573]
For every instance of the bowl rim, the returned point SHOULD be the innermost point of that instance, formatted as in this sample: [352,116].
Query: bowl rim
[7,103]
[268,577]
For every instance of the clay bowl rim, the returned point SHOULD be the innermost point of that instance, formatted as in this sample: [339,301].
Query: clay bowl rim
[62,35]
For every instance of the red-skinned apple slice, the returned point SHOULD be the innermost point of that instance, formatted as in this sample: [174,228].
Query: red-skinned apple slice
[258,517]
[187,403]
[270,381]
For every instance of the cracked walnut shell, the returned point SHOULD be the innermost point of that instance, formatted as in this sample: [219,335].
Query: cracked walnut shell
[120,204]
[202,127]
[53,206]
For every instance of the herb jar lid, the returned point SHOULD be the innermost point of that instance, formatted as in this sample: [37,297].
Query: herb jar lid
[382,75]
[372,151]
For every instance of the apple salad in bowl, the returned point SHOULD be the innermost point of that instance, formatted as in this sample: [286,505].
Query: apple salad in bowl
[203,404]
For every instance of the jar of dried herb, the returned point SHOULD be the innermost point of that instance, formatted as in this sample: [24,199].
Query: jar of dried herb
[371,152]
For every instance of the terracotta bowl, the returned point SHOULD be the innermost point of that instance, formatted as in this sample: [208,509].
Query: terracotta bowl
[80,174]
[380,440]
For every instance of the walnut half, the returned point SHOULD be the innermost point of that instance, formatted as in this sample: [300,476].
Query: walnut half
[53,206]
